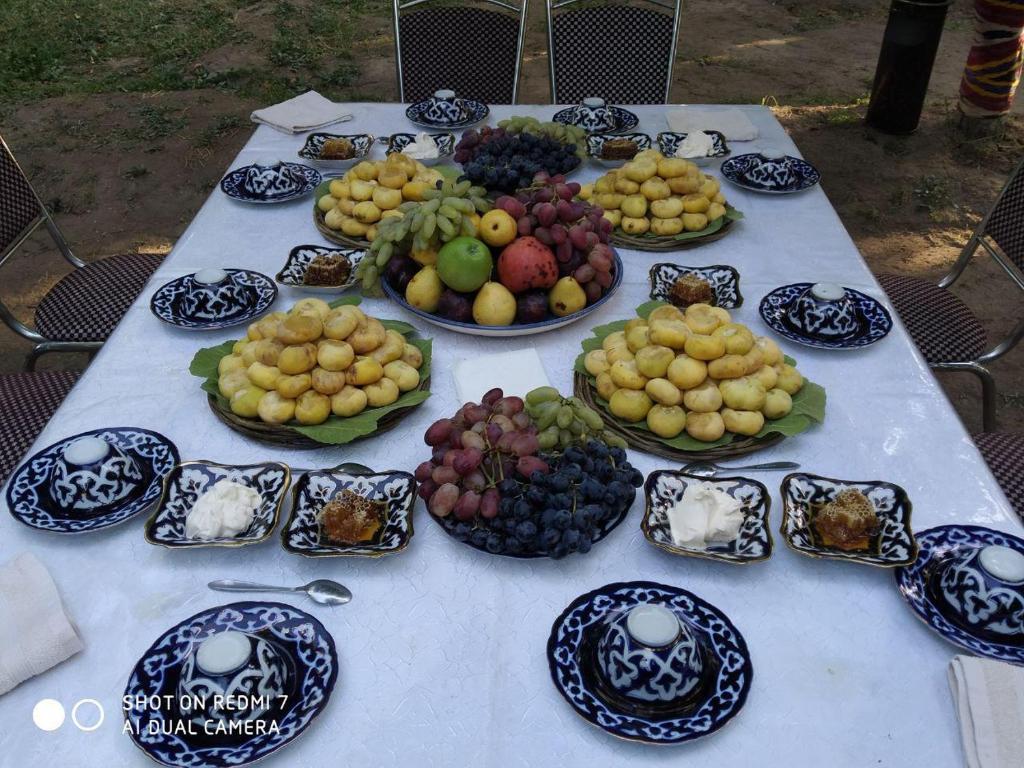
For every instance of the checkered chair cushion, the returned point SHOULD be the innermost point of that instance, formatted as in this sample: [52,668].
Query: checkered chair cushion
[620,53]
[86,304]
[470,50]
[19,208]
[1006,222]
[27,401]
[943,327]
[1004,454]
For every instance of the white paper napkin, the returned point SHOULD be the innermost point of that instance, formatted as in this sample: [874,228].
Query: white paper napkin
[732,123]
[516,372]
[35,632]
[989,699]
[302,113]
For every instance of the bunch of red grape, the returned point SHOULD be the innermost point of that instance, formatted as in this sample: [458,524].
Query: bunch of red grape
[576,231]
[477,450]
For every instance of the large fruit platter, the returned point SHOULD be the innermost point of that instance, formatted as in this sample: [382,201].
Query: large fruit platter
[318,374]
[540,260]
[694,384]
[658,203]
[526,477]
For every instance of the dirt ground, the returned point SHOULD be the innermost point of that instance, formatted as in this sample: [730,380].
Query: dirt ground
[127,171]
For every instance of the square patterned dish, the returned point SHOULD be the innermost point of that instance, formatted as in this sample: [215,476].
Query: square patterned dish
[191,479]
[293,273]
[723,279]
[362,143]
[301,534]
[804,494]
[664,488]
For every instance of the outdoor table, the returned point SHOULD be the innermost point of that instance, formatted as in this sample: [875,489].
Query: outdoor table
[442,650]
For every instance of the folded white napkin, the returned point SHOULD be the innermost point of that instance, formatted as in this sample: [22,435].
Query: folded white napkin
[989,699]
[732,123]
[302,113]
[35,632]
[516,372]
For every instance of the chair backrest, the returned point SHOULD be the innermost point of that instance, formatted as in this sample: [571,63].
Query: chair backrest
[621,53]
[20,209]
[1004,223]
[475,49]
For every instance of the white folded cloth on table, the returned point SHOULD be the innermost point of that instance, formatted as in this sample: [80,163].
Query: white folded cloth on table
[516,372]
[302,113]
[732,123]
[989,699]
[35,632]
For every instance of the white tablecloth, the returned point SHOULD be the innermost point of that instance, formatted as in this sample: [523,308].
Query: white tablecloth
[443,648]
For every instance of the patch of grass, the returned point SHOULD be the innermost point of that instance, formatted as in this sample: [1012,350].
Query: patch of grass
[136,172]
[225,125]
[933,193]
[154,123]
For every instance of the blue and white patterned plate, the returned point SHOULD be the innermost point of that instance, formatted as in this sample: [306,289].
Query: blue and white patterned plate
[362,143]
[573,668]
[308,650]
[664,489]
[299,182]
[191,479]
[737,170]
[28,495]
[418,114]
[803,494]
[294,271]
[624,119]
[254,293]
[937,545]
[301,534]
[724,281]
[876,322]
[445,143]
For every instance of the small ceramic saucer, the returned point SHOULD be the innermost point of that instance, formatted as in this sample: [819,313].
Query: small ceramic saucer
[163,733]
[294,271]
[362,143]
[738,170]
[624,119]
[913,581]
[876,322]
[28,495]
[419,114]
[724,280]
[669,141]
[252,295]
[664,488]
[302,181]
[596,142]
[301,534]
[571,652]
[191,479]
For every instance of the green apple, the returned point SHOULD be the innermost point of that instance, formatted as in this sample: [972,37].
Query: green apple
[464,264]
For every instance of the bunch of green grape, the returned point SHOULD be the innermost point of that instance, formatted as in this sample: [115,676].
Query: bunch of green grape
[566,134]
[444,213]
[563,421]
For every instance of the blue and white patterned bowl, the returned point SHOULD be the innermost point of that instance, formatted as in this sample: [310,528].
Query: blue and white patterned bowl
[873,319]
[445,143]
[362,143]
[724,280]
[31,501]
[939,547]
[669,141]
[980,595]
[302,641]
[301,534]
[294,271]
[191,479]
[107,478]
[577,676]
[664,488]
[804,494]
[241,297]
[596,142]
[445,110]
[622,120]
[780,175]
[824,311]
[276,183]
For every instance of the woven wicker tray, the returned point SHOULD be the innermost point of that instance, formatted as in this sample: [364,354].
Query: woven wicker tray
[334,235]
[643,243]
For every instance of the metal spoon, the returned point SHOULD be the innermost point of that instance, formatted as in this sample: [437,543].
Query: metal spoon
[322,591]
[709,468]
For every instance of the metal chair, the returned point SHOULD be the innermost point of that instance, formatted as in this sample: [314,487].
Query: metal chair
[1004,454]
[27,401]
[944,328]
[81,310]
[473,48]
[621,53]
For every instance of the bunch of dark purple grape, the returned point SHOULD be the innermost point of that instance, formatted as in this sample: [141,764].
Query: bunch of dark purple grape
[504,162]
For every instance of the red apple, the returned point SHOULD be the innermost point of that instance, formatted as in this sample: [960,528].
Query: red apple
[527,263]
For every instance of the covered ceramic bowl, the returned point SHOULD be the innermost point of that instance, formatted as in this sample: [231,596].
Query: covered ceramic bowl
[983,590]
[92,475]
[593,115]
[214,294]
[825,311]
